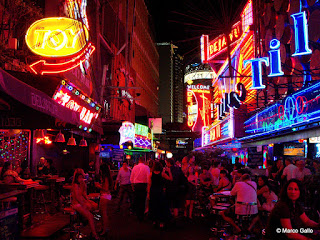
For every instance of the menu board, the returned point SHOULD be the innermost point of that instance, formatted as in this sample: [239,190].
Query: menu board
[254,157]
[117,155]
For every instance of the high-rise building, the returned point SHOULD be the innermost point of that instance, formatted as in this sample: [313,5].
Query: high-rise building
[170,84]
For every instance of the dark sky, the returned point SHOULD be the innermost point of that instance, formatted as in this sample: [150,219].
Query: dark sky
[184,21]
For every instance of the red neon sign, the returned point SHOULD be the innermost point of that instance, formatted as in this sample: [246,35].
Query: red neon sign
[215,133]
[64,98]
[43,67]
[70,97]
[219,44]
[199,107]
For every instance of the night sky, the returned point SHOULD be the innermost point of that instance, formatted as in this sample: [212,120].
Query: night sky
[184,21]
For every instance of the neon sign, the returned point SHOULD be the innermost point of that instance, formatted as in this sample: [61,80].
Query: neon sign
[70,97]
[219,44]
[141,130]
[136,133]
[126,133]
[77,10]
[199,107]
[300,108]
[190,77]
[217,133]
[301,48]
[43,67]
[57,37]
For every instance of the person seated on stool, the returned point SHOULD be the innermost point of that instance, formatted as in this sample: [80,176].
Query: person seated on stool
[80,201]
[10,176]
[105,196]
[245,192]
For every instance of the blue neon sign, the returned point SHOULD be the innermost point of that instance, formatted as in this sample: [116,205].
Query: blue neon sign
[300,108]
[301,48]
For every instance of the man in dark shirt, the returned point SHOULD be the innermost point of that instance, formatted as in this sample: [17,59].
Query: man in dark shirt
[48,169]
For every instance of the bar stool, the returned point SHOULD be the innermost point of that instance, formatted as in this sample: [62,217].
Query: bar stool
[66,196]
[95,197]
[40,200]
[244,221]
[74,228]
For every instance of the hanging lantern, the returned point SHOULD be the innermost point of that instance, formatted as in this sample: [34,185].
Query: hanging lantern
[60,137]
[83,143]
[72,141]
[39,133]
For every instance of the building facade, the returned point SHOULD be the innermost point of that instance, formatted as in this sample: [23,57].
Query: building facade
[171,84]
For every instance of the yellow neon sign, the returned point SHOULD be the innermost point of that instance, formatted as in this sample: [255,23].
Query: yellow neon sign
[57,37]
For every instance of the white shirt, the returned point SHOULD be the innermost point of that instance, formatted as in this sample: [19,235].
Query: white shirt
[289,171]
[215,172]
[124,176]
[245,194]
[140,173]
[301,174]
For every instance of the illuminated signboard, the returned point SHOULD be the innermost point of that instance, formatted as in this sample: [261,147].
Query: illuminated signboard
[70,97]
[137,134]
[61,38]
[43,67]
[198,106]
[76,9]
[219,44]
[57,37]
[142,136]
[301,48]
[314,140]
[210,50]
[300,108]
[126,133]
[217,133]
[188,78]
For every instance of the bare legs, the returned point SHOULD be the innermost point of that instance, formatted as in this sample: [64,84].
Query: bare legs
[103,209]
[189,203]
[88,215]
[230,221]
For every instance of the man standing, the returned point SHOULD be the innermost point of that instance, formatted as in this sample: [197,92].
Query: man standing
[288,171]
[215,172]
[139,181]
[123,179]
[301,172]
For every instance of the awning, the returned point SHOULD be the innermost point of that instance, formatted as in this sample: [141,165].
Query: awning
[36,99]
[304,134]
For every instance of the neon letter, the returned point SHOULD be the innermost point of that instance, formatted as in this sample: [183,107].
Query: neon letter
[256,71]
[275,62]
[301,34]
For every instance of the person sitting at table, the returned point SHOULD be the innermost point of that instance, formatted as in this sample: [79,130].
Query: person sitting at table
[48,168]
[289,214]
[40,166]
[25,171]
[246,201]
[80,201]
[266,200]
[10,176]
[224,182]
[105,194]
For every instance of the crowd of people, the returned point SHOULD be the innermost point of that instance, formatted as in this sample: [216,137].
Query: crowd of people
[166,190]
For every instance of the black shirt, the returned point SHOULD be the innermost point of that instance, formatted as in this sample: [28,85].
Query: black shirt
[281,211]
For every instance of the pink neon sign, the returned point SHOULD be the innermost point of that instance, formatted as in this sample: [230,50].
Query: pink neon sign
[70,97]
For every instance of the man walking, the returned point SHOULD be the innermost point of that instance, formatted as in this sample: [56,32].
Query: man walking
[123,179]
[139,180]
